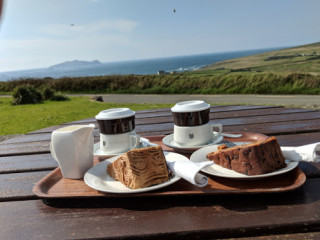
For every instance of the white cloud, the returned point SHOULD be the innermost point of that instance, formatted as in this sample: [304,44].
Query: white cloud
[43,52]
[100,40]
[121,26]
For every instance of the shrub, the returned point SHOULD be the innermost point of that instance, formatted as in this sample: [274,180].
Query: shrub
[48,93]
[26,95]
[59,97]
[192,82]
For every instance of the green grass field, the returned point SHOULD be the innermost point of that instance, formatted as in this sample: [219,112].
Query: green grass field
[302,59]
[21,119]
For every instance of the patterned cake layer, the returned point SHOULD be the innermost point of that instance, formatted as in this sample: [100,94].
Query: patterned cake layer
[140,168]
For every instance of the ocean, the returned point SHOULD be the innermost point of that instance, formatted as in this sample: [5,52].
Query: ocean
[137,67]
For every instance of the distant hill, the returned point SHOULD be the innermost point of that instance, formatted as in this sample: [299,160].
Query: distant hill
[304,59]
[75,64]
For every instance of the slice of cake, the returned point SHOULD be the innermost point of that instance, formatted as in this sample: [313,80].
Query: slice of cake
[140,168]
[250,159]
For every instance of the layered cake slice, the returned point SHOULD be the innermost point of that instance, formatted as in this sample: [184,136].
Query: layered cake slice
[250,159]
[140,168]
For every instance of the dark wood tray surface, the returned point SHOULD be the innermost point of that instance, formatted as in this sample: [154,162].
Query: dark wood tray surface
[55,186]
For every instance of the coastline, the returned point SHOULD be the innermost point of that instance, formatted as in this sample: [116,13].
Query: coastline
[128,67]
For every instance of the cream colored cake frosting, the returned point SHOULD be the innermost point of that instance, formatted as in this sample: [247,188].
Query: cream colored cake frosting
[140,168]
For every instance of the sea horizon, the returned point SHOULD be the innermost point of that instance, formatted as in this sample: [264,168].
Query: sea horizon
[136,67]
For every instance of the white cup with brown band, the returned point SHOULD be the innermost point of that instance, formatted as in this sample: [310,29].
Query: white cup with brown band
[191,124]
[117,130]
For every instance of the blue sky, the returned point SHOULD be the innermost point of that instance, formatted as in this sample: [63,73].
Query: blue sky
[40,33]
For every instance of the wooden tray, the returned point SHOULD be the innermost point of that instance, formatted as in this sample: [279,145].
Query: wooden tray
[55,186]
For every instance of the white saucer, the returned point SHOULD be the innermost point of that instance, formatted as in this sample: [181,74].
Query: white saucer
[168,141]
[100,153]
[216,170]
[98,178]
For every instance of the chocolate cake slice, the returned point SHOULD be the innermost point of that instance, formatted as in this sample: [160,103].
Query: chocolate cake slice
[140,168]
[250,159]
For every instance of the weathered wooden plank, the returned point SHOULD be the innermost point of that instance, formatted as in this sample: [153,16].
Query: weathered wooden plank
[298,139]
[168,109]
[253,117]
[166,112]
[292,127]
[213,115]
[236,115]
[257,118]
[213,109]
[158,218]
[256,112]
[289,128]
[231,114]
[24,148]
[16,186]
[284,127]
[270,118]
[289,236]
[27,163]
[222,112]
[44,136]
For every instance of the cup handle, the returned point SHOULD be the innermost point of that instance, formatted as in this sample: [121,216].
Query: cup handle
[216,125]
[134,140]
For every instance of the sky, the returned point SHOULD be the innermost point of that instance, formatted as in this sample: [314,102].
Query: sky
[41,33]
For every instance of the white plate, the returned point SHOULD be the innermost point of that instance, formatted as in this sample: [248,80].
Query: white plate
[168,141]
[98,178]
[216,170]
[100,153]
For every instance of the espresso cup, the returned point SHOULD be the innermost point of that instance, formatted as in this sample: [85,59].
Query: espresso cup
[117,134]
[196,135]
[191,124]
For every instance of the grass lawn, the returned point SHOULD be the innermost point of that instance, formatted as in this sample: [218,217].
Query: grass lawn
[21,119]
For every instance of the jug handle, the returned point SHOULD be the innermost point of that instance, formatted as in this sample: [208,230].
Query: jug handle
[53,152]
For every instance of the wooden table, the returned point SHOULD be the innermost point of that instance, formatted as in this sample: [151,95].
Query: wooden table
[292,214]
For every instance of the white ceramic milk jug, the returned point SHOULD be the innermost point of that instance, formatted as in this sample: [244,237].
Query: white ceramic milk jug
[72,148]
